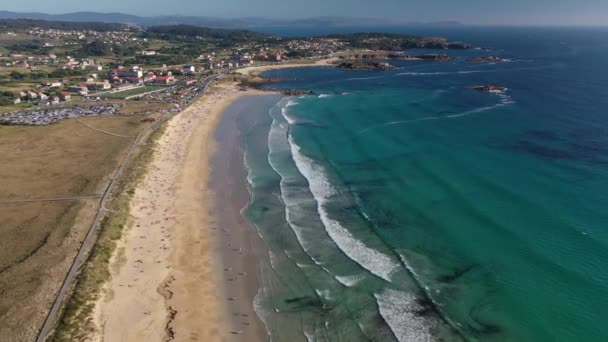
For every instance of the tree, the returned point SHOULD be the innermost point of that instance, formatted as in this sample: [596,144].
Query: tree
[7,98]
[17,75]
[96,48]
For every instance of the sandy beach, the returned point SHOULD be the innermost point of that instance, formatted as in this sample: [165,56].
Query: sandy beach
[181,270]
[166,283]
[256,70]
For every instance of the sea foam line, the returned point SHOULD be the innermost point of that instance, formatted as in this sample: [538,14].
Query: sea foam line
[372,260]
[505,100]
[363,78]
[277,143]
[443,73]
[399,310]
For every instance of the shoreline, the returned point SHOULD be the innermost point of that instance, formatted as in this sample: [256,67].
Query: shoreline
[165,283]
[168,277]
[240,249]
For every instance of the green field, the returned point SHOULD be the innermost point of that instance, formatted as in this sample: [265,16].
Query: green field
[130,92]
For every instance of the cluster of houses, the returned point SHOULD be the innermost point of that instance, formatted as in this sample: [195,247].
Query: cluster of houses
[136,75]
[319,46]
[82,64]
[41,98]
[239,58]
[22,60]
[82,35]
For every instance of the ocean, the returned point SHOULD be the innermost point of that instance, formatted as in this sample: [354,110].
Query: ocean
[401,206]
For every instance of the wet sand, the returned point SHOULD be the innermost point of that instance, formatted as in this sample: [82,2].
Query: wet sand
[241,247]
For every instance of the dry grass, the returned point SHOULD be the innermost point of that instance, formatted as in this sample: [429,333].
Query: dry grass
[134,106]
[39,240]
[76,321]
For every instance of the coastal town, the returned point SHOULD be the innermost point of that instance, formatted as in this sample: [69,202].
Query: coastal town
[97,108]
[50,68]
[240,171]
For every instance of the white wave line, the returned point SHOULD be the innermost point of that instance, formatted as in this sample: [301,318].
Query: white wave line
[374,261]
[398,309]
[504,101]
[443,73]
[363,78]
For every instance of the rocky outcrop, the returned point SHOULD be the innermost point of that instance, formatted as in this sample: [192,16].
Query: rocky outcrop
[395,56]
[296,92]
[489,88]
[458,45]
[365,65]
[487,59]
[439,57]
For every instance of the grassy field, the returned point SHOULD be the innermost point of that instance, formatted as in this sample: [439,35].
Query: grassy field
[75,323]
[131,92]
[39,240]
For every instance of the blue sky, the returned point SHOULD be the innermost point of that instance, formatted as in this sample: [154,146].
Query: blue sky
[543,12]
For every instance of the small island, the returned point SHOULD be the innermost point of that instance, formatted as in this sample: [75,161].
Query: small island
[487,59]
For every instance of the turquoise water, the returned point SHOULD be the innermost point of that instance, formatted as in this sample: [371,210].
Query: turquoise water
[400,205]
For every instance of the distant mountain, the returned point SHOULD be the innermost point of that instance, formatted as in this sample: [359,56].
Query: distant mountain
[250,22]
[437,23]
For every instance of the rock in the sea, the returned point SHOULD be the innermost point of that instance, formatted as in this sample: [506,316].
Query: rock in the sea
[487,59]
[296,92]
[489,88]
[434,57]
[458,45]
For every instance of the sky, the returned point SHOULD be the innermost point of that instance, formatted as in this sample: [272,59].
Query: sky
[503,12]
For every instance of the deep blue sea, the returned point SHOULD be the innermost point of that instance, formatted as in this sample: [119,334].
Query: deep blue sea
[400,205]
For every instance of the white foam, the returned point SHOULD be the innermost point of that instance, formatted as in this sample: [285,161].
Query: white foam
[350,280]
[363,78]
[399,311]
[260,310]
[310,337]
[442,73]
[274,260]
[505,100]
[325,294]
[323,96]
[250,175]
[372,260]
[284,111]
[400,122]
[277,143]
[289,119]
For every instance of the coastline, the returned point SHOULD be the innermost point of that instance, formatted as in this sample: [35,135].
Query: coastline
[168,274]
[240,249]
[165,283]
[257,70]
